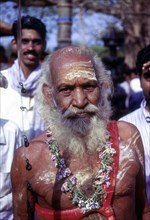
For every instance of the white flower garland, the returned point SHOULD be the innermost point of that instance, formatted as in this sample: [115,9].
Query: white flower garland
[102,177]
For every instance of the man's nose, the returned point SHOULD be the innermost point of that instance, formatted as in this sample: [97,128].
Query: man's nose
[31,45]
[79,98]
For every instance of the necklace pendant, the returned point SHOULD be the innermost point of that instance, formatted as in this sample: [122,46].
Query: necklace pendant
[28,165]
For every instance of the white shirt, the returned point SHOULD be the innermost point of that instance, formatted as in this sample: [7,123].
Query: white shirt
[10,140]
[27,119]
[141,119]
[13,100]
[125,85]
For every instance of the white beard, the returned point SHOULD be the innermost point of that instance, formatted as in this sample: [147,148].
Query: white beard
[78,135]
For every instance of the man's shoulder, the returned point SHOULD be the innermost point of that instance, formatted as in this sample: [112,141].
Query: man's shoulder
[38,142]
[5,71]
[126,130]
[33,150]
[131,116]
[9,72]
[32,147]
[9,125]
[41,138]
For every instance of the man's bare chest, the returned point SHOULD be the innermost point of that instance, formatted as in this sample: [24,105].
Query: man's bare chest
[47,188]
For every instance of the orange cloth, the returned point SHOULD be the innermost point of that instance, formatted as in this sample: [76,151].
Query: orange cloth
[106,210]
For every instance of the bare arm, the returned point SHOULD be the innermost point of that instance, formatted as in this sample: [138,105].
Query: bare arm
[130,135]
[142,207]
[19,187]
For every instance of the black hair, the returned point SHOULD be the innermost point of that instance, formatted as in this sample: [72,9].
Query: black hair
[28,22]
[143,56]
[2,49]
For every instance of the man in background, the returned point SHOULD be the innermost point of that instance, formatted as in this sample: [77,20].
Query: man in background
[23,75]
[10,140]
[141,117]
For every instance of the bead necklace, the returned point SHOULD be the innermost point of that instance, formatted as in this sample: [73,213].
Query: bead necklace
[102,177]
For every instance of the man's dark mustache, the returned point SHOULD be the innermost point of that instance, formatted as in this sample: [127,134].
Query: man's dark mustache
[32,53]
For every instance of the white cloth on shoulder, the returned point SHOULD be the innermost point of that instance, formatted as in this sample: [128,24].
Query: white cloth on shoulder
[16,77]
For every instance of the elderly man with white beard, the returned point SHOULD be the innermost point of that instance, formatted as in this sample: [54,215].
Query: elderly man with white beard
[84,166]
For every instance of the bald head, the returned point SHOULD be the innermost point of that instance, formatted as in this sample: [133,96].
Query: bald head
[74,62]
[71,53]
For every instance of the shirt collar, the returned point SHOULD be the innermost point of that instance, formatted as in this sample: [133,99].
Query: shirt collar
[145,112]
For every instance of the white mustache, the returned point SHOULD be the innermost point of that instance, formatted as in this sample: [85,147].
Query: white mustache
[72,111]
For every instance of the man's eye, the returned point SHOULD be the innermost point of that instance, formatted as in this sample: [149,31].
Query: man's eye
[25,41]
[89,87]
[65,91]
[37,42]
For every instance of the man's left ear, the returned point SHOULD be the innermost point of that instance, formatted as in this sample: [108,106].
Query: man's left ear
[47,93]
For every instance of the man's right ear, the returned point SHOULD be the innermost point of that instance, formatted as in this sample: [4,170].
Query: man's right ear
[47,93]
[14,45]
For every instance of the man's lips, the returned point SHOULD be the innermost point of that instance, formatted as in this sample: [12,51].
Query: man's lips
[82,114]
